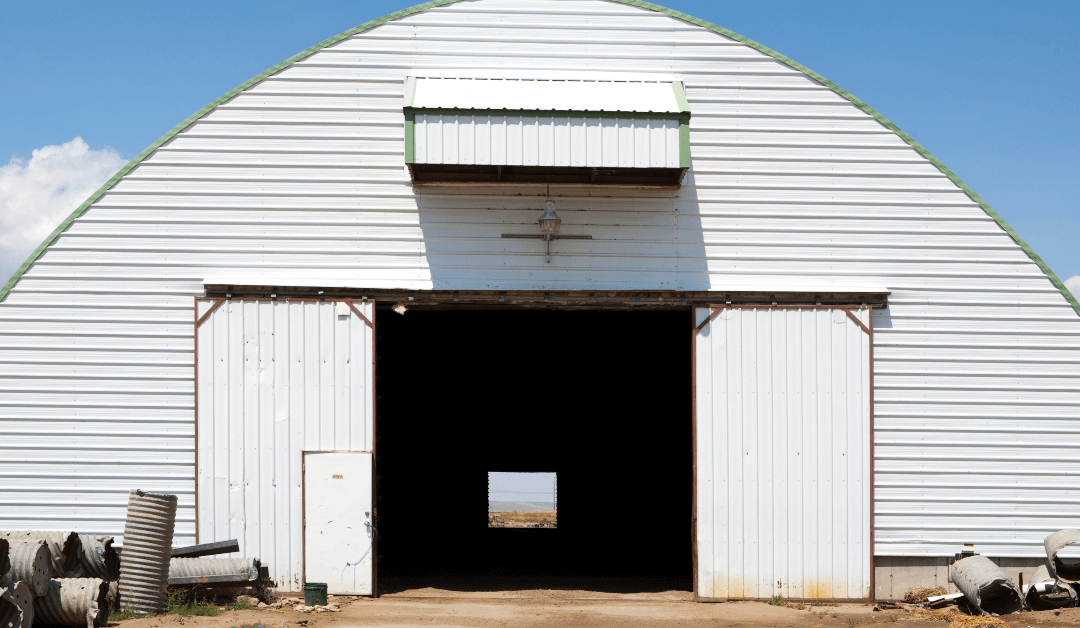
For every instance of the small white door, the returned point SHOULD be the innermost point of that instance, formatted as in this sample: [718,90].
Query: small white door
[339,541]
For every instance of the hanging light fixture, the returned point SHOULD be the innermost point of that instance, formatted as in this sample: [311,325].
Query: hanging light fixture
[549,229]
[549,221]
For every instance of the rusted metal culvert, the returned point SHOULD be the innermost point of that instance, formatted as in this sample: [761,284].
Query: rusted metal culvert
[10,613]
[4,564]
[231,571]
[986,586]
[65,549]
[99,559]
[16,606]
[1046,594]
[29,562]
[1062,569]
[74,602]
[144,563]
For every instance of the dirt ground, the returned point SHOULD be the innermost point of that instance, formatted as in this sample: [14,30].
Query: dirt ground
[435,608]
[521,518]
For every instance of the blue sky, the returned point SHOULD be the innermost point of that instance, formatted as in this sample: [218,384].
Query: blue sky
[521,487]
[991,88]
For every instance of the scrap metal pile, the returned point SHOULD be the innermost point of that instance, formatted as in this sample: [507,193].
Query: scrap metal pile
[54,578]
[986,590]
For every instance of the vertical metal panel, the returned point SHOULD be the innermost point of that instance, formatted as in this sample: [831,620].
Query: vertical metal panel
[783,454]
[546,141]
[276,378]
[977,358]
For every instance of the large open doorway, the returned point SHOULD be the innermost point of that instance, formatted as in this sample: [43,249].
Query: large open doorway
[602,398]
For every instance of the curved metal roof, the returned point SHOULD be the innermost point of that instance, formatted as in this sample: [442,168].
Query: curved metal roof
[1072,300]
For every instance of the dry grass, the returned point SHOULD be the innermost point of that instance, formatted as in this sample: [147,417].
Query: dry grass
[918,595]
[519,518]
[959,620]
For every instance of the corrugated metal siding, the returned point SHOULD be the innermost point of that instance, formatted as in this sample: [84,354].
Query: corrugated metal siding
[783,454]
[547,141]
[562,95]
[977,358]
[276,379]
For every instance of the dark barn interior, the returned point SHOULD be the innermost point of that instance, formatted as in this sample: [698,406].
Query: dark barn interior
[603,398]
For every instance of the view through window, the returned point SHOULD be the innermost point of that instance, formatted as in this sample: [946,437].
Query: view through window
[522,500]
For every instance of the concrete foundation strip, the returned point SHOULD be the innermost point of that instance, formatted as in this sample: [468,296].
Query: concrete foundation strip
[29,562]
[74,602]
[986,586]
[65,547]
[16,605]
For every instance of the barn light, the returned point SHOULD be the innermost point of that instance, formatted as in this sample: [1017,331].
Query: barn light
[549,229]
[550,221]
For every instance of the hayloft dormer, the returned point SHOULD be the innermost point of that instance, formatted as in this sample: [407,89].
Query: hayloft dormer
[514,131]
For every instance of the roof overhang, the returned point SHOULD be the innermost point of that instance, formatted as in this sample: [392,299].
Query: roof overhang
[323,288]
[469,131]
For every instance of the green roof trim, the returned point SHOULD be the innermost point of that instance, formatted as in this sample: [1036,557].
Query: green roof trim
[1072,300]
[684,143]
[680,96]
[410,138]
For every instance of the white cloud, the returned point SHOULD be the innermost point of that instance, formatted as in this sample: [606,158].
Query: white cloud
[1073,284]
[36,195]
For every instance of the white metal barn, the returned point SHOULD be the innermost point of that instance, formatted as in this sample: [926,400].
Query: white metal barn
[782,348]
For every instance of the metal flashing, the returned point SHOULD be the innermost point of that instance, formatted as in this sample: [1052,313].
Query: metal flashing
[680,96]
[545,94]
[410,138]
[554,113]
[684,152]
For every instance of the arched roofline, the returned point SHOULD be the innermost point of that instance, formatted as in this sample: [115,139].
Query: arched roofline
[1072,300]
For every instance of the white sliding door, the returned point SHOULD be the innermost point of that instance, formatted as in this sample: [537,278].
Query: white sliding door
[276,378]
[783,453]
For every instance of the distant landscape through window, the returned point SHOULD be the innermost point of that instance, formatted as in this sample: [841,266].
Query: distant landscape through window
[522,500]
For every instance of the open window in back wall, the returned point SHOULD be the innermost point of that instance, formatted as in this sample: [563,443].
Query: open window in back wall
[522,500]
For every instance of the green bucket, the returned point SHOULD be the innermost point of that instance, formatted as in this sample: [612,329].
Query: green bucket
[315,593]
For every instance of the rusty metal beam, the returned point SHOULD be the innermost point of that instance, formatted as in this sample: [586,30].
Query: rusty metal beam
[359,313]
[203,318]
[856,319]
[206,549]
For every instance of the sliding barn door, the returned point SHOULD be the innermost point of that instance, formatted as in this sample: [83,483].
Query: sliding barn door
[783,446]
[276,379]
